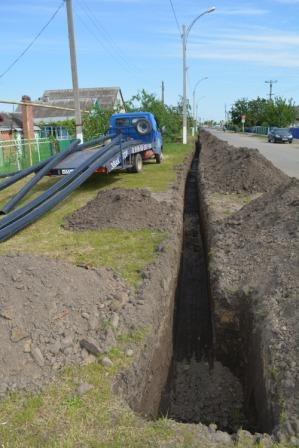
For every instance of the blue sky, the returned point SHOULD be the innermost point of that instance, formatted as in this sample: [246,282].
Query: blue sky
[136,44]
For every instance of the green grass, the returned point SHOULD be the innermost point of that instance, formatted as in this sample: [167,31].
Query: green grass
[125,251]
[59,417]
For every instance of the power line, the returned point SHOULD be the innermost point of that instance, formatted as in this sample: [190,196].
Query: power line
[32,42]
[175,17]
[103,44]
[99,27]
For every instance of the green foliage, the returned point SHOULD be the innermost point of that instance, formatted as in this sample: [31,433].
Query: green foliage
[169,117]
[69,125]
[280,112]
[95,122]
[261,112]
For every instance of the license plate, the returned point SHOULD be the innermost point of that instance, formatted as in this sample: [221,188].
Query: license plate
[67,171]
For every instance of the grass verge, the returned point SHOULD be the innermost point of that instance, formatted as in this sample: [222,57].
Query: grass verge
[126,252]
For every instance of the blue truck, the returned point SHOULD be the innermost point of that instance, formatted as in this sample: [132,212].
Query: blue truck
[140,128]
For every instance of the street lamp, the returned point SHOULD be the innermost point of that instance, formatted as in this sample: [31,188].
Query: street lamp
[184,37]
[193,104]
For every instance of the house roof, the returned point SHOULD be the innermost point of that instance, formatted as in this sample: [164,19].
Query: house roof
[10,121]
[105,96]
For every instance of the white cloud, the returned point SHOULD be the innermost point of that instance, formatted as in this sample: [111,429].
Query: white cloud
[270,59]
[247,11]
[288,2]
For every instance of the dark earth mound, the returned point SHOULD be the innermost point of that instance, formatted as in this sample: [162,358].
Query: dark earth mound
[256,262]
[234,170]
[47,308]
[124,209]
[264,235]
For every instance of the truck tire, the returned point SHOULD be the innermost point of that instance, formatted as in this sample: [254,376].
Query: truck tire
[137,163]
[143,126]
[159,158]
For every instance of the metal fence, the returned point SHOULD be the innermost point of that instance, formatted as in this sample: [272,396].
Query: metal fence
[17,154]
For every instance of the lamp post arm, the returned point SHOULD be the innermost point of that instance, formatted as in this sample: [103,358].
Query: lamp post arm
[196,19]
[193,22]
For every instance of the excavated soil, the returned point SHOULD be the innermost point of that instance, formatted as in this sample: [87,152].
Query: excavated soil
[49,311]
[258,249]
[54,314]
[123,209]
[234,170]
[253,268]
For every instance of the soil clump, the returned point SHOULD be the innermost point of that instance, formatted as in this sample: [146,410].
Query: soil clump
[122,209]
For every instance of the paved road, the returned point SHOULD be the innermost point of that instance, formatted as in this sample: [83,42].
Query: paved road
[283,156]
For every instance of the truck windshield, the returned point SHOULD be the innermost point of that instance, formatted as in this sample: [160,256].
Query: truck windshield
[122,122]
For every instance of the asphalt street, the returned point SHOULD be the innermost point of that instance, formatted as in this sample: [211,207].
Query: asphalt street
[283,155]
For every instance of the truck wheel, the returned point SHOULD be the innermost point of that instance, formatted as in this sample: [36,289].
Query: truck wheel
[137,164]
[143,126]
[159,157]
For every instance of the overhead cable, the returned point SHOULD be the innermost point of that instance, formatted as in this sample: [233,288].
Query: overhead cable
[109,41]
[175,17]
[32,42]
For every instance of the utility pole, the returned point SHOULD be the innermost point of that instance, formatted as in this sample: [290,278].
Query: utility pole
[78,119]
[163,90]
[184,37]
[184,41]
[271,85]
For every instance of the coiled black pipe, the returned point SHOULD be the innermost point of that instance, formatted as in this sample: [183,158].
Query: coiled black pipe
[13,216]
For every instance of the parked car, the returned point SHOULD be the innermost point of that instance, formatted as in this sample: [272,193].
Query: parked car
[280,135]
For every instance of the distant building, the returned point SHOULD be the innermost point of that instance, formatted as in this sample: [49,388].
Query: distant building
[297,115]
[106,98]
[10,125]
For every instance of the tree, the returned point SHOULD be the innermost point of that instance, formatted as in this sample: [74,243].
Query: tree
[169,117]
[95,122]
[261,112]
[280,112]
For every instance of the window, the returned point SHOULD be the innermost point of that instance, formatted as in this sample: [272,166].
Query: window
[122,122]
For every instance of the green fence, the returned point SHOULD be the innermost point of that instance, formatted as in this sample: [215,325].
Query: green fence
[16,155]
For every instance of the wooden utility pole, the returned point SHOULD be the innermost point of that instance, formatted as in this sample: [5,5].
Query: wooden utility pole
[78,119]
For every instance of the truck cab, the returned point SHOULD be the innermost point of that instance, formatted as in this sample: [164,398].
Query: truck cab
[140,126]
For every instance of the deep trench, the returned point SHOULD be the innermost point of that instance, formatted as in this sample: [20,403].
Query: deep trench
[199,388]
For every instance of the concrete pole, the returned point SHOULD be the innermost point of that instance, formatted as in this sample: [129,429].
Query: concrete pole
[194,116]
[184,38]
[163,90]
[78,119]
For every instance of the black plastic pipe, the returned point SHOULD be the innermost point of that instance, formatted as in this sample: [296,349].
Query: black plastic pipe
[41,173]
[13,216]
[18,175]
[47,205]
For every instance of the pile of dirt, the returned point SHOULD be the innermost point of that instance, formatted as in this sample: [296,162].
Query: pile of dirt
[53,314]
[264,235]
[254,282]
[124,209]
[235,170]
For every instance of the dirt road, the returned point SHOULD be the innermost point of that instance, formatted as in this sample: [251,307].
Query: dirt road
[283,156]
